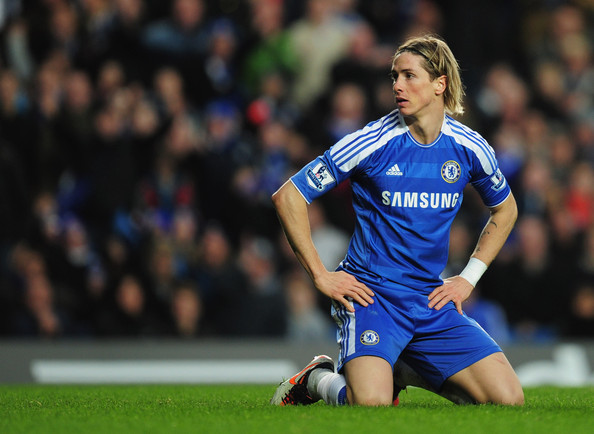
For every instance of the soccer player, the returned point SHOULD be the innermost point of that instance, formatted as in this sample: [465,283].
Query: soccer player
[408,171]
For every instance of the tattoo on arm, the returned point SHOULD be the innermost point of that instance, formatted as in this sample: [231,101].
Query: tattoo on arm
[485,232]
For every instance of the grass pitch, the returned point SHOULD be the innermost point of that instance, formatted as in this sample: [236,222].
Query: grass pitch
[245,409]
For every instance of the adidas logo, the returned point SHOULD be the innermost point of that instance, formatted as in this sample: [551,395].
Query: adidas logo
[394,171]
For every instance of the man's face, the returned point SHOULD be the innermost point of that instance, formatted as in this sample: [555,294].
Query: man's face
[414,91]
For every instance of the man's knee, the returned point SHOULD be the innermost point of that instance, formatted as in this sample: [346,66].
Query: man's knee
[511,396]
[508,391]
[505,394]
[368,397]
[369,381]
[490,380]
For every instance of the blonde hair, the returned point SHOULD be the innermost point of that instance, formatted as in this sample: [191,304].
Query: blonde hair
[438,60]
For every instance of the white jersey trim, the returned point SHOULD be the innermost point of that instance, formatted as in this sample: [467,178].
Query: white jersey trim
[348,152]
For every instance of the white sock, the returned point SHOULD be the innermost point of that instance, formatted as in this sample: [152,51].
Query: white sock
[327,385]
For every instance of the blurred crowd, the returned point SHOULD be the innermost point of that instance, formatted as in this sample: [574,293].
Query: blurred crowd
[140,141]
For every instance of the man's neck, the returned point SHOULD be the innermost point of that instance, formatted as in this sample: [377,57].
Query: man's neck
[426,129]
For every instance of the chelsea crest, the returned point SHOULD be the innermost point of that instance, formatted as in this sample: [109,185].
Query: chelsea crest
[450,171]
[369,337]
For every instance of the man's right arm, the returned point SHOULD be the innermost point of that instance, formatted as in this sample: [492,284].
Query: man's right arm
[291,209]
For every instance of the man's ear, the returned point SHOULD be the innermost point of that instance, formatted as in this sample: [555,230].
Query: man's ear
[441,84]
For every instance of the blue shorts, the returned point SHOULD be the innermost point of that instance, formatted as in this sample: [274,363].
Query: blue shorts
[436,343]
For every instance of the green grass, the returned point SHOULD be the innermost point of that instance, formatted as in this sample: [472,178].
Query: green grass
[245,409]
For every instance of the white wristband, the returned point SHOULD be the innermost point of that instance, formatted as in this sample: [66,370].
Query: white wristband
[473,270]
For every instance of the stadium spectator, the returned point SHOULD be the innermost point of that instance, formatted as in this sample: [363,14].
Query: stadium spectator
[187,312]
[580,324]
[586,253]
[273,102]
[130,313]
[124,39]
[319,39]
[307,322]
[36,311]
[365,62]
[181,42]
[222,282]
[264,303]
[531,282]
[330,241]
[269,50]
[221,60]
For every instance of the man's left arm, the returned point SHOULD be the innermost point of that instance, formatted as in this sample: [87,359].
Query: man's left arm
[492,238]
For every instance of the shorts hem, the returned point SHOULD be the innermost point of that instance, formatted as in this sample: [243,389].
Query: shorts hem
[373,354]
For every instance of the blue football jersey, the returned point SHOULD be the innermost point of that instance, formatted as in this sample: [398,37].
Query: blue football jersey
[405,194]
